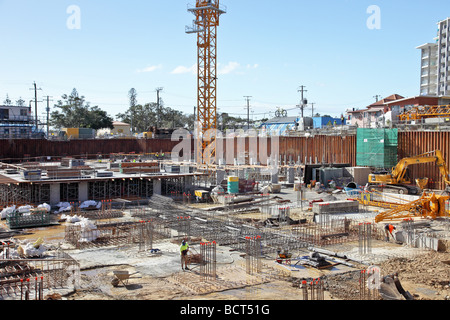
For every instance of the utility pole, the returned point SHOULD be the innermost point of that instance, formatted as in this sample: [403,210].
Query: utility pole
[35,104]
[248,111]
[377,97]
[312,110]
[302,103]
[48,115]
[158,106]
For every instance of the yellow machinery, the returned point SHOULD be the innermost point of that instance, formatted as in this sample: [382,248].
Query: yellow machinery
[396,180]
[202,195]
[427,206]
[424,112]
[207,13]
[147,135]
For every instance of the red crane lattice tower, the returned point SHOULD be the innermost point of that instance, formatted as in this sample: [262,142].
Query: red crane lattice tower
[207,13]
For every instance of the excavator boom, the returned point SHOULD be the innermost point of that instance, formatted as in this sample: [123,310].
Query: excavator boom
[397,179]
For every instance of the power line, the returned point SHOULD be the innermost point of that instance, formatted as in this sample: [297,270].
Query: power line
[35,103]
[248,111]
[48,114]
[302,102]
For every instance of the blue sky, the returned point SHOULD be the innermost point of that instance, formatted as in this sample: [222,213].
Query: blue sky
[266,50]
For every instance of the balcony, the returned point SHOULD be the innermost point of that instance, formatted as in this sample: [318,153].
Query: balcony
[25,119]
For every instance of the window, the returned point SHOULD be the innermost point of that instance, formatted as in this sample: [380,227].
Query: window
[4,114]
[23,112]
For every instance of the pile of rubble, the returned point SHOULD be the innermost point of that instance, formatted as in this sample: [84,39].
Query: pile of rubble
[431,269]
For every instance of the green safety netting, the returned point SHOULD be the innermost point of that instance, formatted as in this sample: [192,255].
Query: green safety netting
[377,148]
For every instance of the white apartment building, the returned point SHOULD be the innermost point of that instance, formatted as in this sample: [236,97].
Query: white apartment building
[435,66]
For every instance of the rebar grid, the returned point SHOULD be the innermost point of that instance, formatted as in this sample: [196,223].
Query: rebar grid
[107,234]
[208,266]
[22,277]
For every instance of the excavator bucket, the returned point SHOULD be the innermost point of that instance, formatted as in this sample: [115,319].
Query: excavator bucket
[391,289]
[422,183]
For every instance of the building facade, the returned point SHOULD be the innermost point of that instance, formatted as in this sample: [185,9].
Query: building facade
[15,122]
[435,67]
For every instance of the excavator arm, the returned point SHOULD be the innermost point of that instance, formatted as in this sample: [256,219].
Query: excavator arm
[399,171]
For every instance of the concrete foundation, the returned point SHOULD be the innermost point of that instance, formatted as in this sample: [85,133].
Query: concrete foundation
[336,207]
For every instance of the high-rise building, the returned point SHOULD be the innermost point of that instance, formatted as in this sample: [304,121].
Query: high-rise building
[435,75]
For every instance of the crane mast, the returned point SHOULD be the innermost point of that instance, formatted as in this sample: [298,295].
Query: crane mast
[207,13]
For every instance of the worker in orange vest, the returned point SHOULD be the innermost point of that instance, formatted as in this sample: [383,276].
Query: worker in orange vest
[389,228]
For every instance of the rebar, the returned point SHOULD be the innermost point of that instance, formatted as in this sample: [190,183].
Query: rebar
[367,284]
[365,238]
[253,254]
[313,290]
[16,275]
[208,266]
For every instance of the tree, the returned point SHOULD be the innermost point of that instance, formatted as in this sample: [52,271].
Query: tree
[132,95]
[141,116]
[20,102]
[75,112]
[8,101]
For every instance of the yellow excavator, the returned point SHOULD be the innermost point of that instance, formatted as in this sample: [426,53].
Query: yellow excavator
[395,181]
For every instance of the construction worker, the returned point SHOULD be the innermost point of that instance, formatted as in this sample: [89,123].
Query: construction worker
[389,228]
[184,249]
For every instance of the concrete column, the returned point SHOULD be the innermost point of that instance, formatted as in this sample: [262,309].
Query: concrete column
[157,184]
[220,176]
[83,191]
[275,178]
[291,175]
[188,183]
[55,193]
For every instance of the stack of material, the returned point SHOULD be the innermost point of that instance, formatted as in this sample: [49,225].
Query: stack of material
[64,173]
[140,167]
[71,162]
[315,260]
[346,206]
[247,185]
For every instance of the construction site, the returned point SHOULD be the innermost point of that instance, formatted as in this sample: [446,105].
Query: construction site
[340,215]
[110,227]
